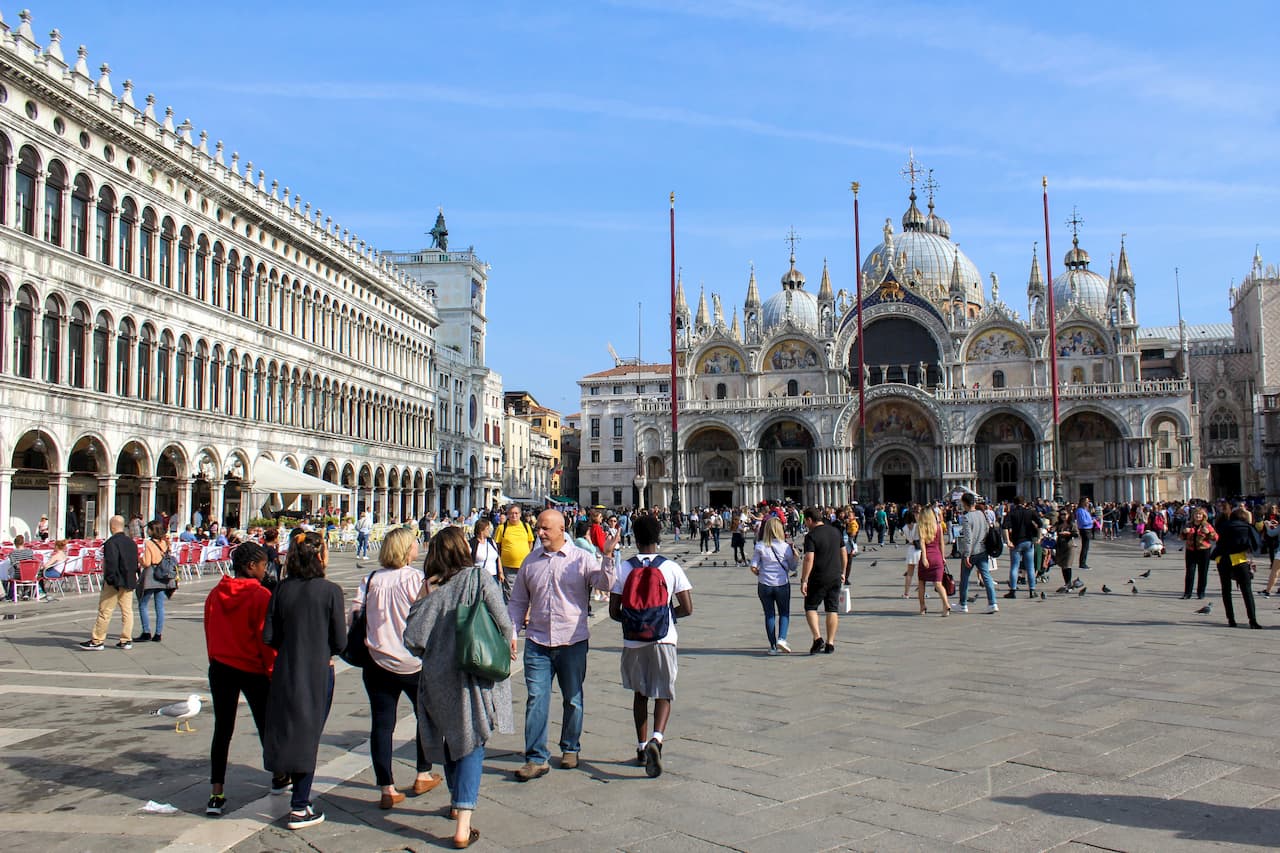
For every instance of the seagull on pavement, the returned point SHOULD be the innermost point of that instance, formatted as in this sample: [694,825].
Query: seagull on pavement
[1206,608]
[181,713]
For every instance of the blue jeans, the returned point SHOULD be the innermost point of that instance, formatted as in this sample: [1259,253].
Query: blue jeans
[569,666]
[775,598]
[158,596]
[979,562]
[463,778]
[362,544]
[1022,554]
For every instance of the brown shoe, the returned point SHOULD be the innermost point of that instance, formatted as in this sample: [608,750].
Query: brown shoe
[421,787]
[468,841]
[530,770]
[389,800]
[569,761]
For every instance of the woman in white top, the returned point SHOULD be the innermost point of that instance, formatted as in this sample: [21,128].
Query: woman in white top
[772,563]
[386,598]
[911,537]
[484,552]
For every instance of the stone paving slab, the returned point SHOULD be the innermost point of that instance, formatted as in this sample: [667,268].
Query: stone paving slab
[1117,721]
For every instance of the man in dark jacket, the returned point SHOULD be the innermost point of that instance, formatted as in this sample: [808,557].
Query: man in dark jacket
[119,579]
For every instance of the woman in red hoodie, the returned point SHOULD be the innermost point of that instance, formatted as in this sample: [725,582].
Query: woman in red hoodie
[239,662]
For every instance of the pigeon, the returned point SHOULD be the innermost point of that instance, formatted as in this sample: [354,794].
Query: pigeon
[1134,590]
[1042,595]
[1129,581]
[181,713]
[873,564]
[1083,590]
[1145,574]
[1206,608]
[1106,589]
[972,599]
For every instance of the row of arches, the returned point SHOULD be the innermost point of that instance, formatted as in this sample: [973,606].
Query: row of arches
[78,346]
[79,480]
[86,215]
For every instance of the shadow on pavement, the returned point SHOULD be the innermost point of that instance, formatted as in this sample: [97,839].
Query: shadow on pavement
[1189,818]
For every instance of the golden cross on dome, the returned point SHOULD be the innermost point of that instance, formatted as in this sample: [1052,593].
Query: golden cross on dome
[912,168]
[793,238]
[1075,221]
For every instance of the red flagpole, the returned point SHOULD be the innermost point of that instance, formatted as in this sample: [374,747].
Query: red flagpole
[862,364]
[1053,341]
[675,436]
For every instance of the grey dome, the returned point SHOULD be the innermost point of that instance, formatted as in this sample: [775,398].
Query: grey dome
[803,310]
[933,255]
[1079,284]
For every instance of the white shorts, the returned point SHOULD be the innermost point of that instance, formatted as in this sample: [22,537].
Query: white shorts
[913,556]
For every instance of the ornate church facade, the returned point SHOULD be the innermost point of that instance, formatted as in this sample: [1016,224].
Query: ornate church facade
[957,385]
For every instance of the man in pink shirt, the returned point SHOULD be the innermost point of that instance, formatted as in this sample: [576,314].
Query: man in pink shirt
[553,590]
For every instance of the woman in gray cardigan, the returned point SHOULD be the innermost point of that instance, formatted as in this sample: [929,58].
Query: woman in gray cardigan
[456,710]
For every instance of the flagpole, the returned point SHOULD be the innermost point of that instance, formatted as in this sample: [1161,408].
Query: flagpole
[862,366]
[1053,350]
[675,434]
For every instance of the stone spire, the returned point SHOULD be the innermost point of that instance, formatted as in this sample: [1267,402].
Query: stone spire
[1123,274]
[703,317]
[824,289]
[735,329]
[1035,283]
[753,292]
[957,285]
[682,307]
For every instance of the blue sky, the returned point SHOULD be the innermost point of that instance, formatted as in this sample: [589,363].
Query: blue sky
[552,133]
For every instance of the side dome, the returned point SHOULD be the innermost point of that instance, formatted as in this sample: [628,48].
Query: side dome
[1080,285]
[798,305]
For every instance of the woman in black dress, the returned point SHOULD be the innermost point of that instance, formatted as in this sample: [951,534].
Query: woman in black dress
[307,625]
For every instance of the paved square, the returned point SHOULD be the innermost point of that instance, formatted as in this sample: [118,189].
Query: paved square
[1116,722]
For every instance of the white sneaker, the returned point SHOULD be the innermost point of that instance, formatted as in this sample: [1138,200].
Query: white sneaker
[993,608]
[784,647]
[963,608]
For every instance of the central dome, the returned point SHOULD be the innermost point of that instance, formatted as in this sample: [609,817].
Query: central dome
[924,255]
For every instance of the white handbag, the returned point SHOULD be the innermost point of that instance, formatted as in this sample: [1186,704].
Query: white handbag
[846,599]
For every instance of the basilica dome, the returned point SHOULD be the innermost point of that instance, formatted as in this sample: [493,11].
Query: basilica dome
[924,255]
[793,302]
[1079,284]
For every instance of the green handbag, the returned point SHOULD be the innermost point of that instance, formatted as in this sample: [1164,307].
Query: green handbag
[482,649]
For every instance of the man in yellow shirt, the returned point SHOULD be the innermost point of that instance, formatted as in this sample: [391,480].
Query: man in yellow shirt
[514,539]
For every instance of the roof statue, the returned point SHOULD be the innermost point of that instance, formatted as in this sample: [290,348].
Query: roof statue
[439,233]
[995,288]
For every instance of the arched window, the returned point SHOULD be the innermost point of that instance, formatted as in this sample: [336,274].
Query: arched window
[199,372]
[54,185]
[202,261]
[215,379]
[51,341]
[78,331]
[164,257]
[1077,376]
[81,200]
[102,225]
[1005,469]
[1223,426]
[722,391]
[232,274]
[146,346]
[124,245]
[997,379]
[246,288]
[793,388]
[257,390]
[124,357]
[244,387]
[24,333]
[4,181]
[215,276]
[163,369]
[180,372]
[28,168]
[147,245]
[792,474]
[101,352]
[229,380]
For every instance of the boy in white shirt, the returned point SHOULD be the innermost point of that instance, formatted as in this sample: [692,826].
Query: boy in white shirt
[649,636]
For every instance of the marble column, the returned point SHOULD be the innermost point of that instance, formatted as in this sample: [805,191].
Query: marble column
[148,485]
[106,506]
[58,503]
[6,500]
[183,485]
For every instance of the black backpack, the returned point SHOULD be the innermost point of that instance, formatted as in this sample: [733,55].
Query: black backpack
[993,542]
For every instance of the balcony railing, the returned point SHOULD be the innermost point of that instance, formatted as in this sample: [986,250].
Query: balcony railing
[745,404]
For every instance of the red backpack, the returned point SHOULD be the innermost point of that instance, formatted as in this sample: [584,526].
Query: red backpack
[646,602]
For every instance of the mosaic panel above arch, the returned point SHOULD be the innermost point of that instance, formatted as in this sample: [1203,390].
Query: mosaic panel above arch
[996,345]
[899,420]
[719,360]
[792,355]
[786,435]
[1005,429]
[1078,341]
